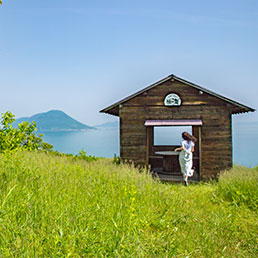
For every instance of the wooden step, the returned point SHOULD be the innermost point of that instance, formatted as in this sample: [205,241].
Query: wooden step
[173,178]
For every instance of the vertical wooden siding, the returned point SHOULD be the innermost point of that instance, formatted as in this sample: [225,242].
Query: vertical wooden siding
[216,144]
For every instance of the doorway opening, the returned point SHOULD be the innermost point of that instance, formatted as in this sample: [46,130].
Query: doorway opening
[163,137]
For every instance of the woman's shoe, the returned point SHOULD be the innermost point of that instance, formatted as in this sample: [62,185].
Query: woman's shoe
[186,183]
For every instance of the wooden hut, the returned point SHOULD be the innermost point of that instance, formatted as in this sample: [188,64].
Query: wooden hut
[173,101]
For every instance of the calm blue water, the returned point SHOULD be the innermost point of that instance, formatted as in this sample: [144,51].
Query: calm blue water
[245,148]
[100,142]
[105,142]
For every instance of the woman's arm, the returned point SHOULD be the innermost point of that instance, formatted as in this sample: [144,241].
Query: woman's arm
[180,148]
[192,149]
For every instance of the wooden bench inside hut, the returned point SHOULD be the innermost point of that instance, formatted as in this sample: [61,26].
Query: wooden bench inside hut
[174,101]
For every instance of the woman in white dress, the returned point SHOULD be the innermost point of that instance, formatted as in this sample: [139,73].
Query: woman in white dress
[186,155]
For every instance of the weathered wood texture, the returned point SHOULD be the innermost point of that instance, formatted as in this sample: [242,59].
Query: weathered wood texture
[216,137]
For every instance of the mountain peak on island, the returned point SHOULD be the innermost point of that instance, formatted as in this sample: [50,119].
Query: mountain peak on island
[54,120]
[53,111]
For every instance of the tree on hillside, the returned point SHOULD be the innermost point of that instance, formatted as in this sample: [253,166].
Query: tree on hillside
[0,1]
[22,137]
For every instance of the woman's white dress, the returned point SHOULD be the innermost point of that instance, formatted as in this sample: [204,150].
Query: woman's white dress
[186,158]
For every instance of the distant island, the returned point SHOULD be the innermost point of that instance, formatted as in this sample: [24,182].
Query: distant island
[54,120]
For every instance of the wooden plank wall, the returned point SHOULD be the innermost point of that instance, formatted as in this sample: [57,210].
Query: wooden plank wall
[216,138]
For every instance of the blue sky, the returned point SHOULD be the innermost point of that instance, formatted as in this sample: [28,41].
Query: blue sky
[80,56]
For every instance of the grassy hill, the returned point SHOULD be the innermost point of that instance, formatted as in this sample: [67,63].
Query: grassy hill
[54,120]
[54,206]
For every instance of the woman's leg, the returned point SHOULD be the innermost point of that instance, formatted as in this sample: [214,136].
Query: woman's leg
[186,180]
[183,166]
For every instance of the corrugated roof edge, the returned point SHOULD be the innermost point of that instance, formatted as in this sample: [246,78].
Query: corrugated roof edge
[172,76]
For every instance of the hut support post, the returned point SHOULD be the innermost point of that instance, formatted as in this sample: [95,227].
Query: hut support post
[196,131]
[149,143]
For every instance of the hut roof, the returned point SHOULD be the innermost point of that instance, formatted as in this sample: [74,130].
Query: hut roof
[237,107]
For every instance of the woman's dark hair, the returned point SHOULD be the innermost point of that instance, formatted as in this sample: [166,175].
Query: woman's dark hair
[188,137]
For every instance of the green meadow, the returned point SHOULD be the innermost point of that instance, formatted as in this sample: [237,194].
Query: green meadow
[60,206]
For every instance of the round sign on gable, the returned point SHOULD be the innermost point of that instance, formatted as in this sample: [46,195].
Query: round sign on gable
[172,99]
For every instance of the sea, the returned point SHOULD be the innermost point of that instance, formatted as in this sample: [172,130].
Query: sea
[104,142]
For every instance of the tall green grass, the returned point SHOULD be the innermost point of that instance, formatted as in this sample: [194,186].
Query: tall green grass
[53,206]
[240,186]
